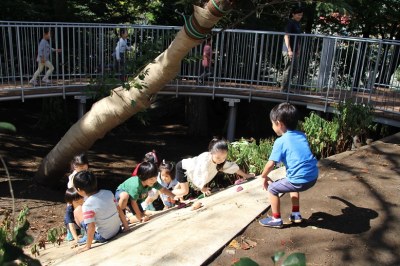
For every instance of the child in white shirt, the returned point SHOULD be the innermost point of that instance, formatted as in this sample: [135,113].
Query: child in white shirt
[200,170]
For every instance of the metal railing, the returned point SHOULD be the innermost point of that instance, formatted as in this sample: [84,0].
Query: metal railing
[330,69]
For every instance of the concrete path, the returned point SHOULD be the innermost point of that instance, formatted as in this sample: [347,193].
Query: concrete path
[178,237]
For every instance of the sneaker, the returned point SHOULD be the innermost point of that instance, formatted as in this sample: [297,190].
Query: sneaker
[70,237]
[82,240]
[270,222]
[295,218]
[33,82]
[46,80]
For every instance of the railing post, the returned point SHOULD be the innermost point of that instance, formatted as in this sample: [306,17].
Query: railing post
[372,78]
[102,50]
[20,64]
[62,61]
[253,68]
[231,118]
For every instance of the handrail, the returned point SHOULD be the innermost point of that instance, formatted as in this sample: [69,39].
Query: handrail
[330,68]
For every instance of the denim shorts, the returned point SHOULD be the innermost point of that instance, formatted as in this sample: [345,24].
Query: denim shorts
[96,236]
[284,186]
[128,204]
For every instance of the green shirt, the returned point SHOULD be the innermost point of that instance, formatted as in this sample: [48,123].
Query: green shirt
[134,187]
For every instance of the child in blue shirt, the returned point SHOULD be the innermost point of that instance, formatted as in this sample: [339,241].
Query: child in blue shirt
[292,149]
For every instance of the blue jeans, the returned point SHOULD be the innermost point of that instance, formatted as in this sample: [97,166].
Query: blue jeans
[96,236]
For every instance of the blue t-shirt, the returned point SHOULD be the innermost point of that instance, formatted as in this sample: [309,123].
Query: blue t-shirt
[293,151]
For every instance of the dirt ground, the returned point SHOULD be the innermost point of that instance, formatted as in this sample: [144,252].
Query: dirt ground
[351,215]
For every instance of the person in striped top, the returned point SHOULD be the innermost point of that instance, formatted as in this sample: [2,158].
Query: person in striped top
[102,217]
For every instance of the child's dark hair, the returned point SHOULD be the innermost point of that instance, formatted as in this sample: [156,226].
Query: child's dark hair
[122,31]
[79,160]
[86,181]
[71,195]
[151,156]
[296,9]
[285,113]
[216,145]
[168,167]
[147,170]
[46,30]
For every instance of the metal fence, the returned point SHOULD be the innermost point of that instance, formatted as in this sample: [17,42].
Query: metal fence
[330,68]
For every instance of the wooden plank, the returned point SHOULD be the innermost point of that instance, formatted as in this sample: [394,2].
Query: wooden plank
[179,237]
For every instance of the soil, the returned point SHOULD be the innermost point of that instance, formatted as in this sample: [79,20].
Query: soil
[350,216]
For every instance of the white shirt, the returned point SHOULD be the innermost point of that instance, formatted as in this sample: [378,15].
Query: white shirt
[101,208]
[122,46]
[71,179]
[200,170]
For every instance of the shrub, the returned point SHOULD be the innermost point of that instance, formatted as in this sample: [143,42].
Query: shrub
[250,156]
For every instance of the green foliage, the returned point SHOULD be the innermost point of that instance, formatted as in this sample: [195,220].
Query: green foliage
[330,137]
[294,259]
[13,237]
[250,156]
[55,235]
[355,119]
[322,134]
[7,127]
[245,261]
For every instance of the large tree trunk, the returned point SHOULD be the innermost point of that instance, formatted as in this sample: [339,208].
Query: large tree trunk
[113,110]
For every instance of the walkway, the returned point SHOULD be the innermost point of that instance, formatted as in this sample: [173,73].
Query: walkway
[247,65]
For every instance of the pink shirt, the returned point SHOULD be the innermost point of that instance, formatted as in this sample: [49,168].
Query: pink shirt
[207,52]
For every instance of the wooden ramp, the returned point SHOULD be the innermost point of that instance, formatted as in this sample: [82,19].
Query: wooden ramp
[178,237]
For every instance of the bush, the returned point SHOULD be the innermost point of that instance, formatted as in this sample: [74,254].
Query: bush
[353,121]
[250,156]
[13,238]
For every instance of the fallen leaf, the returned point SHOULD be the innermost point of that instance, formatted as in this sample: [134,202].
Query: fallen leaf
[251,243]
[234,244]
[239,188]
[244,246]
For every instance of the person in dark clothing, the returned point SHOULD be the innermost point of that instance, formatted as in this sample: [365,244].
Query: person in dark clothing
[291,46]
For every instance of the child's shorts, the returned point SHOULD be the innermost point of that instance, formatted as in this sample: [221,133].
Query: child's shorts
[284,186]
[96,236]
[117,194]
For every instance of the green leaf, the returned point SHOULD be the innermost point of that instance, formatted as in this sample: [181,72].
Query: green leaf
[295,259]
[245,261]
[277,256]
[4,126]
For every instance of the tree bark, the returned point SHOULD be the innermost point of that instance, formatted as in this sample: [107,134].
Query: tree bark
[113,110]
[196,116]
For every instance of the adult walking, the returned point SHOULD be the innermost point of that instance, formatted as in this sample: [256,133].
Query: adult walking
[291,46]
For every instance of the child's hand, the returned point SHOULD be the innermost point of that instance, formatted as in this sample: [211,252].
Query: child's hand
[267,181]
[265,185]
[85,248]
[74,244]
[206,190]
[249,175]
[144,219]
